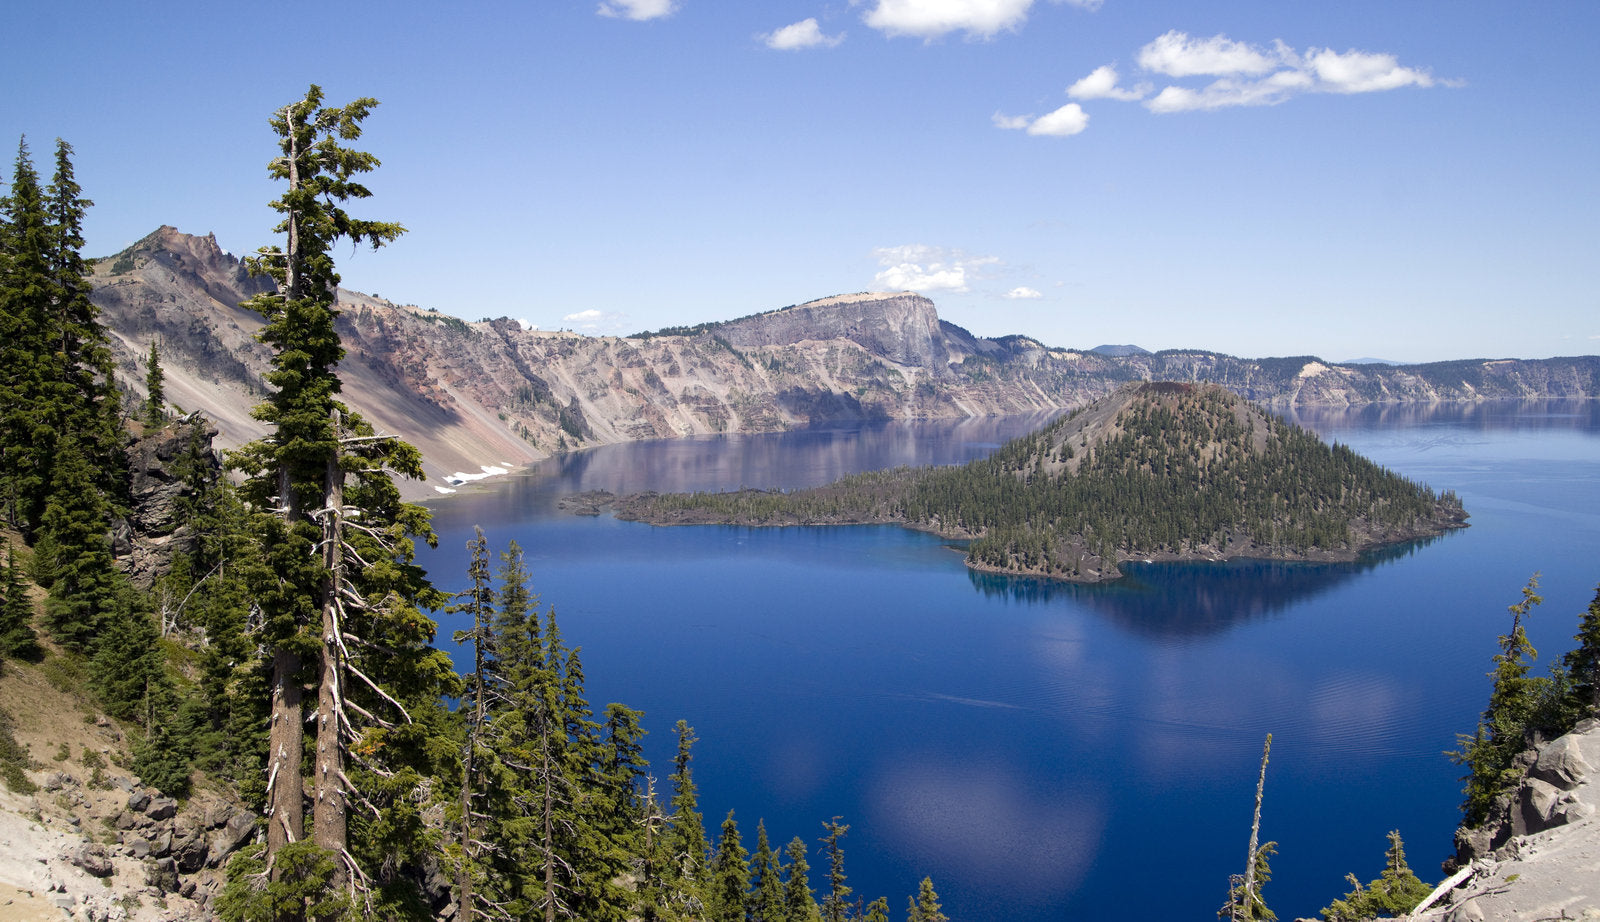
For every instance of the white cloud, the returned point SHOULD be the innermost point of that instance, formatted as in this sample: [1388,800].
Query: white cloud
[803,34]
[930,19]
[1023,293]
[1066,121]
[922,268]
[1177,55]
[1245,75]
[1102,84]
[638,10]
[596,321]
[1361,72]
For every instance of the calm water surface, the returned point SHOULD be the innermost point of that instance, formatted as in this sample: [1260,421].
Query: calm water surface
[1044,750]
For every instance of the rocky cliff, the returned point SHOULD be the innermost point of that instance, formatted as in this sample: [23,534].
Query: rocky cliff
[1542,861]
[481,397]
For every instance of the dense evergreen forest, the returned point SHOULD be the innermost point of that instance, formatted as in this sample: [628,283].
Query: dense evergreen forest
[285,650]
[1156,470]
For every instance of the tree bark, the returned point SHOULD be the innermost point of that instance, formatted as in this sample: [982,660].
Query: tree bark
[330,823]
[285,739]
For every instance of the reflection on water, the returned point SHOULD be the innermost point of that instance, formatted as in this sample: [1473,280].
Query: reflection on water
[1195,598]
[1495,415]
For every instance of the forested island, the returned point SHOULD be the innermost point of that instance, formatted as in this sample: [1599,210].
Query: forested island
[1156,471]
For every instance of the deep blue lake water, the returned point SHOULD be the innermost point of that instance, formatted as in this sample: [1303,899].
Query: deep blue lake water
[1044,750]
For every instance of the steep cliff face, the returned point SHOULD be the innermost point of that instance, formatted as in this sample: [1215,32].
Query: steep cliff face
[492,395]
[902,328]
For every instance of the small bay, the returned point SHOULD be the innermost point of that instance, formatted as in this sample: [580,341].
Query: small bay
[1042,749]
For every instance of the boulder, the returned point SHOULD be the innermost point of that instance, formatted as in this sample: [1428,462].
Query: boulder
[162,874]
[238,830]
[1541,805]
[1561,764]
[162,808]
[138,801]
[92,859]
[191,853]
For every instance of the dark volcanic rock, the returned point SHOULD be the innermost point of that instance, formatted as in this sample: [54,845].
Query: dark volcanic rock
[154,530]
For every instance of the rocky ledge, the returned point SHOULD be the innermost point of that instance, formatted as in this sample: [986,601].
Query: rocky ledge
[1541,860]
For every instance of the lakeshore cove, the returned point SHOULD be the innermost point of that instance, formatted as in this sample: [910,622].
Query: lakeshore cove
[1033,745]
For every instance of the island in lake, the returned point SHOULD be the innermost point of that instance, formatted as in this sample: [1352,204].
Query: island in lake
[1156,471]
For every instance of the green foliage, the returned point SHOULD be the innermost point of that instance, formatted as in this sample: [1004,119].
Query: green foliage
[1254,907]
[799,904]
[1394,893]
[730,876]
[924,907]
[836,905]
[1505,725]
[298,887]
[14,759]
[163,760]
[767,888]
[1582,665]
[17,637]
[155,404]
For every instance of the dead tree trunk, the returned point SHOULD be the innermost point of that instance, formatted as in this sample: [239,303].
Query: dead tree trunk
[1250,897]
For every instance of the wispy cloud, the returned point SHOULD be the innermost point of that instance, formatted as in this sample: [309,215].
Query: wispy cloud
[1175,54]
[922,268]
[803,34]
[1023,293]
[638,10]
[931,19]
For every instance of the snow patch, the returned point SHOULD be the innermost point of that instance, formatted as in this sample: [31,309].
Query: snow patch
[489,470]
[444,489]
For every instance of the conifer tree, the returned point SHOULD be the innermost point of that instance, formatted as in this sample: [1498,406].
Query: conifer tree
[17,637]
[155,402]
[799,903]
[74,553]
[478,602]
[730,876]
[877,910]
[1491,751]
[835,905]
[924,907]
[1244,899]
[25,355]
[766,898]
[1582,664]
[686,839]
[342,603]
[1396,892]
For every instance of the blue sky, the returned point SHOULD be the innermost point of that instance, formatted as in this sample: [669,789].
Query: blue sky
[1413,180]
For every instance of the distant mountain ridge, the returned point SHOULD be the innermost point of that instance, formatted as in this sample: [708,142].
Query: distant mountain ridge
[481,397]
